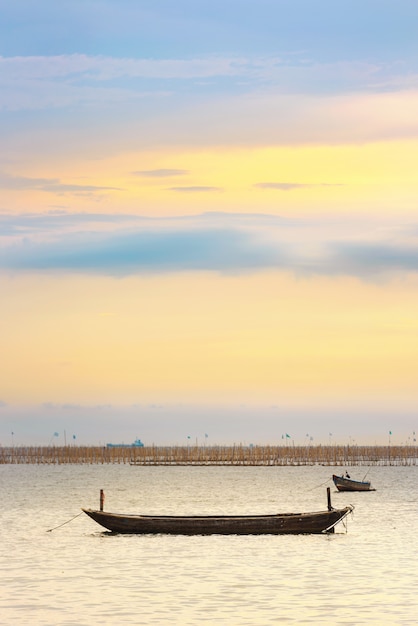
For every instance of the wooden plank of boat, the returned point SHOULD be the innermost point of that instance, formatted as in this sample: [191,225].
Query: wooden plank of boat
[344,483]
[274,524]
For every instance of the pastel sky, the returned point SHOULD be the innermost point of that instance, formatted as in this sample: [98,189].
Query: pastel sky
[208,221]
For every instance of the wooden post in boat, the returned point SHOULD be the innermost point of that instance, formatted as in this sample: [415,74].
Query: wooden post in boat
[101,499]
[329,498]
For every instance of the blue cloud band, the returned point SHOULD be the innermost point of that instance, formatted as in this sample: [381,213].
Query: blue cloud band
[217,242]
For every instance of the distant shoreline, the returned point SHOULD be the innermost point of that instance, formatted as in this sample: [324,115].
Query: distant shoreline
[226,456]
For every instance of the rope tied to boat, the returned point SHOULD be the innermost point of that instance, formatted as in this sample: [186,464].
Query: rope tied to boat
[321,485]
[345,518]
[63,524]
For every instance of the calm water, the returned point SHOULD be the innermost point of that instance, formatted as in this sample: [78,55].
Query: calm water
[78,575]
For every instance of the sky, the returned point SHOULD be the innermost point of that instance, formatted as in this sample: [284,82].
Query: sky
[208,222]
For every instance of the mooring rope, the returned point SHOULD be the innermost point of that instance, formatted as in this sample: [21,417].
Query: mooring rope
[63,524]
[345,518]
[321,485]
[364,477]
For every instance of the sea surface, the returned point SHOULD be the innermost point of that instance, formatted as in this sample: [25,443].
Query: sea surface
[75,574]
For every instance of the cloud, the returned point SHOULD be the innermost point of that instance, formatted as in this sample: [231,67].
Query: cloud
[69,406]
[35,224]
[353,258]
[291,72]
[84,82]
[195,189]
[106,68]
[290,186]
[79,81]
[218,242]
[155,251]
[161,173]
[267,101]
[51,185]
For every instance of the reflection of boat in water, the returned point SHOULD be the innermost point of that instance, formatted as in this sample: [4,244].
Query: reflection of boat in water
[136,444]
[275,524]
[346,483]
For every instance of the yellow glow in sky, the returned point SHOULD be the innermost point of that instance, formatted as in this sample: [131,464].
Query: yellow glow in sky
[265,338]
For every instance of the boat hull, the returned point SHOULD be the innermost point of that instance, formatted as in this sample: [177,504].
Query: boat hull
[348,484]
[279,524]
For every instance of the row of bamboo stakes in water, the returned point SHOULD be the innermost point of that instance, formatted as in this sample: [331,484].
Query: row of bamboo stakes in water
[213,455]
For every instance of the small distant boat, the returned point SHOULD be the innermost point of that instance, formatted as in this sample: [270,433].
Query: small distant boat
[136,444]
[346,483]
[275,524]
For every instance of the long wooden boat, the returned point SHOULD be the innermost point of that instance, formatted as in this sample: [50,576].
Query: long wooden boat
[274,524]
[343,483]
